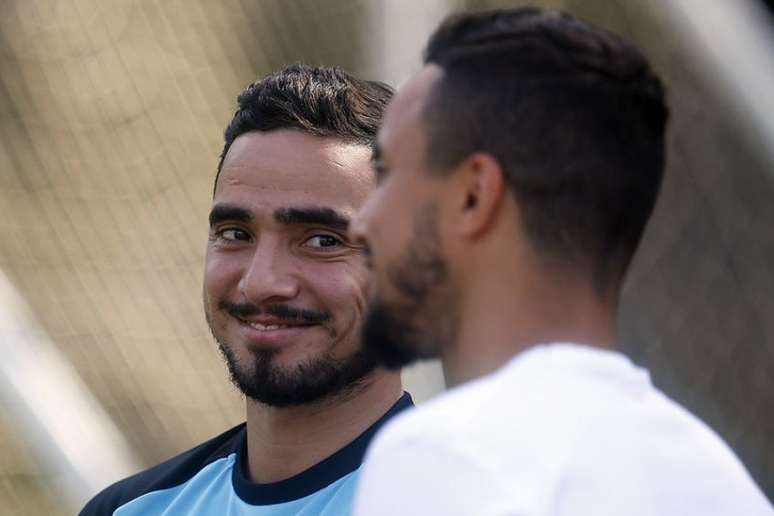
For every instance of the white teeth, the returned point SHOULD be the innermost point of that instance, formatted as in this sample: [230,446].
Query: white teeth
[265,327]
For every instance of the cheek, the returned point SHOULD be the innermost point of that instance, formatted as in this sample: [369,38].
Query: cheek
[394,239]
[343,289]
[220,276]
[394,214]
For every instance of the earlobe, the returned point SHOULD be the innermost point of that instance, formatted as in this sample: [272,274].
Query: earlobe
[483,185]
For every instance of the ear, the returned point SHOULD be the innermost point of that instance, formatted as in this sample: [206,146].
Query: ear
[479,190]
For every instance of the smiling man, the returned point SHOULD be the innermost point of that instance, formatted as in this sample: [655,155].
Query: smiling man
[284,296]
[517,171]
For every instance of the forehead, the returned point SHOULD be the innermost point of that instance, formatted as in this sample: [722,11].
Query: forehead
[285,167]
[402,120]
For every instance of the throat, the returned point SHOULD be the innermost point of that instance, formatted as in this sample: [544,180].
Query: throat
[283,442]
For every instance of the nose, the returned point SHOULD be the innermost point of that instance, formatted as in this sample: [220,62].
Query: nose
[270,276]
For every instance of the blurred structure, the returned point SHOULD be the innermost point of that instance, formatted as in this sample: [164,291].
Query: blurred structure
[111,115]
[47,402]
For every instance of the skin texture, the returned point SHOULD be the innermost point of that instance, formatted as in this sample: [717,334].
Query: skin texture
[499,296]
[259,258]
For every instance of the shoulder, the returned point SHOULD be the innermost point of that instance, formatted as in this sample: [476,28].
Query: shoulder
[462,414]
[558,424]
[169,473]
[426,460]
[417,465]
[439,428]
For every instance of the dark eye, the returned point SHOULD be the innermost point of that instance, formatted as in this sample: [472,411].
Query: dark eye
[322,242]
[234,234]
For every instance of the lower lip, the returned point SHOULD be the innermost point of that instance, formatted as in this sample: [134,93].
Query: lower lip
[272,337]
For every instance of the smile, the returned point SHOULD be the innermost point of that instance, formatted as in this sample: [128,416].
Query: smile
[268,327]
[273,331]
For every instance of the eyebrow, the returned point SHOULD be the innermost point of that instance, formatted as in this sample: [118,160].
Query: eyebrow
[327,217]
[223,211]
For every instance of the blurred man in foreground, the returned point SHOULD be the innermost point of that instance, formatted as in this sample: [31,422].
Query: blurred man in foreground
[516,173]
[284,295]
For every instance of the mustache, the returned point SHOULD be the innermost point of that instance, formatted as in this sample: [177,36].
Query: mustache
[280,311]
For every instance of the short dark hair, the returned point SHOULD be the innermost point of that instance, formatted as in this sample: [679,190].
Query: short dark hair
[318,100]
[574,116]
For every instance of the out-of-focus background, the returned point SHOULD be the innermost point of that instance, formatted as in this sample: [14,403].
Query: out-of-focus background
[111,115]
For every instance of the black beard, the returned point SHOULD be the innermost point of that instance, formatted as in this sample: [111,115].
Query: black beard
[313,380]
[424,321]
[389,340]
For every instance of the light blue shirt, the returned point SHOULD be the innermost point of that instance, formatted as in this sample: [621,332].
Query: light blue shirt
[212,480]
[212,492]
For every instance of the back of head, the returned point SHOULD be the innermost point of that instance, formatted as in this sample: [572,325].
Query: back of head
[321,101]
[574,116]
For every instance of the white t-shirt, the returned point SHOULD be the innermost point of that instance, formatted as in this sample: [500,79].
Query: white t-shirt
[560,430]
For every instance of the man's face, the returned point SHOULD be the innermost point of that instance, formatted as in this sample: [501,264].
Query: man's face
[412,311]
[284,288]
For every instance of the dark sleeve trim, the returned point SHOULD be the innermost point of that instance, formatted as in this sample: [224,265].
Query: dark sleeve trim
[171,473]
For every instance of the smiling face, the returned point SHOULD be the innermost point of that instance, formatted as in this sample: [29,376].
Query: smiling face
[284,288]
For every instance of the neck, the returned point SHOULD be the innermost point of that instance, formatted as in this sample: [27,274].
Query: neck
[507,314]
[283,442]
